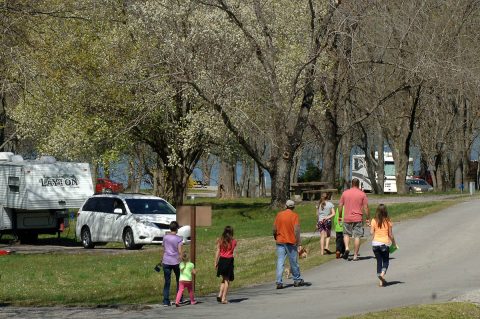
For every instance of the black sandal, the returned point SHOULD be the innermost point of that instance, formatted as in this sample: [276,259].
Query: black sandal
[327,251]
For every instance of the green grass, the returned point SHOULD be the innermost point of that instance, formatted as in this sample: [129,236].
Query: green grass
[95,278]
[452,310]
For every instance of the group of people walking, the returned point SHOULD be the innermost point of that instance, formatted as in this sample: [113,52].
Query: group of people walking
[346,221]
[176,261]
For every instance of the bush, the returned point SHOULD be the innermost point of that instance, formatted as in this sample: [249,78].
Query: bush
[311,174]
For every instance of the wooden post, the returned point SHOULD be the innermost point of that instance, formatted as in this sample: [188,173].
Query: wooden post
[193,239]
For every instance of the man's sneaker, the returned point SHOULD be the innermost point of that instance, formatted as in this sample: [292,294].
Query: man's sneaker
[280,286]
[345,254]
[299,283]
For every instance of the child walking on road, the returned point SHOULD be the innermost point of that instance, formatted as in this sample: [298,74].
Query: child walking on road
[224,262]
[381,229]
[187,270]
[338,228]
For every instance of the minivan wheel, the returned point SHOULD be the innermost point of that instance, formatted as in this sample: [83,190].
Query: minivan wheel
[129,241]
[86,238]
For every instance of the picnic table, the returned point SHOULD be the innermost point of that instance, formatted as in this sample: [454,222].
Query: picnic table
[310,190]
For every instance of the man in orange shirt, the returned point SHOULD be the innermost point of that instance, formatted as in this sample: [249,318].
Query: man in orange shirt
[286,231]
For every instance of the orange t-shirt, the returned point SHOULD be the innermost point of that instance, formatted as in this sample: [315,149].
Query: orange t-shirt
[381,234]
[285,224]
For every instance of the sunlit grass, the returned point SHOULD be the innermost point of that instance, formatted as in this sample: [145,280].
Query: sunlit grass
[452,310]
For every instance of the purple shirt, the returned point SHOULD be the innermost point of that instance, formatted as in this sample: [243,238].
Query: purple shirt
[171,256]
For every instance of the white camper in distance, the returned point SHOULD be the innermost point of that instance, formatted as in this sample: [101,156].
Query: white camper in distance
[35,195]
[359,170]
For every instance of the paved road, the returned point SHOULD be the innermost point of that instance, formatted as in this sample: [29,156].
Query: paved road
[437,261]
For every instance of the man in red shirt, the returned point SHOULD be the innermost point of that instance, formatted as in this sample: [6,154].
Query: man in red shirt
[356,204]
[286,231]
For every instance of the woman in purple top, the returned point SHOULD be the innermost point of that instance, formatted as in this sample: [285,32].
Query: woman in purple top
[172,250]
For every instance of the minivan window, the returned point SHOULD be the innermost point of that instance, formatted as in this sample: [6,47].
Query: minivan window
[90,205]
[149,206]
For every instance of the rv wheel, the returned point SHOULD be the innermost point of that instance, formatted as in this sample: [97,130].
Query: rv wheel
[87,238]
[129,241]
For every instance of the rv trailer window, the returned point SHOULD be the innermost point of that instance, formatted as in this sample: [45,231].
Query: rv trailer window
[14,184]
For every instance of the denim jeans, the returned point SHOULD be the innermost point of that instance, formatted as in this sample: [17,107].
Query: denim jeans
[284,250]
[382,254]
[167,273]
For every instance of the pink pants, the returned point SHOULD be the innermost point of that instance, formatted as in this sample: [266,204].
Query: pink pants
[181,288]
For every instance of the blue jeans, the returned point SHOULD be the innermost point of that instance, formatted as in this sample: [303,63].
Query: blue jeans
[167,273]
[382,254]
[284,250]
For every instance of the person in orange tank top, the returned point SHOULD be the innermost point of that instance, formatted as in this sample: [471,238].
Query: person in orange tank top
[381,229]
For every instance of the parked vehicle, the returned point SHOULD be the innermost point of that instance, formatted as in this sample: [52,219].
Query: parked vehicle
[105,185]
[133,219]
[35,195]
[199,184]
[418,185]
[359,170]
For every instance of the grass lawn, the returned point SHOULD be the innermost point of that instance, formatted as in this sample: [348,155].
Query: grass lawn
[451,310]
[90,278]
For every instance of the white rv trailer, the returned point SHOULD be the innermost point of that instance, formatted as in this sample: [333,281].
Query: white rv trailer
[35,195]
[359,170]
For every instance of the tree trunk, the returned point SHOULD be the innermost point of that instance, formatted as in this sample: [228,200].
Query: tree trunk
[346,162]
[226,183]
[3,117]
[380,160]
[262,191]
[206,167]
[329,161]
[251,187]
[178,179]
[243,184]
[280,177]
[401,164]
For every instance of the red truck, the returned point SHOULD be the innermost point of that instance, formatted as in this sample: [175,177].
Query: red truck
[105,185]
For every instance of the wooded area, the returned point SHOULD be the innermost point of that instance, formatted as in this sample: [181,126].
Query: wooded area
[167,86]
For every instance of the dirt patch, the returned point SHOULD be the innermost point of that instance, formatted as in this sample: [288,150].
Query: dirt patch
[64,246]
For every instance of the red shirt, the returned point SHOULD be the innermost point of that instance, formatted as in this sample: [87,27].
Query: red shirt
[285,225]
[228,251]
[354,200]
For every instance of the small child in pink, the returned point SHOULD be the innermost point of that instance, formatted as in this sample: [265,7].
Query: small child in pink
[187,269]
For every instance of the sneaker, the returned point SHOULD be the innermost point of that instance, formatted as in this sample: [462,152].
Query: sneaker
[177,305]
[345,254]
[193,302]
[299,283]
[337,254]
[280,286]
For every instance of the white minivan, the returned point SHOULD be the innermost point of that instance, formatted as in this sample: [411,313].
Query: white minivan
[133,219]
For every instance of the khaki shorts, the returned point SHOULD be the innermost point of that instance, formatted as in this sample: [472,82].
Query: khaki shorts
[354,230]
